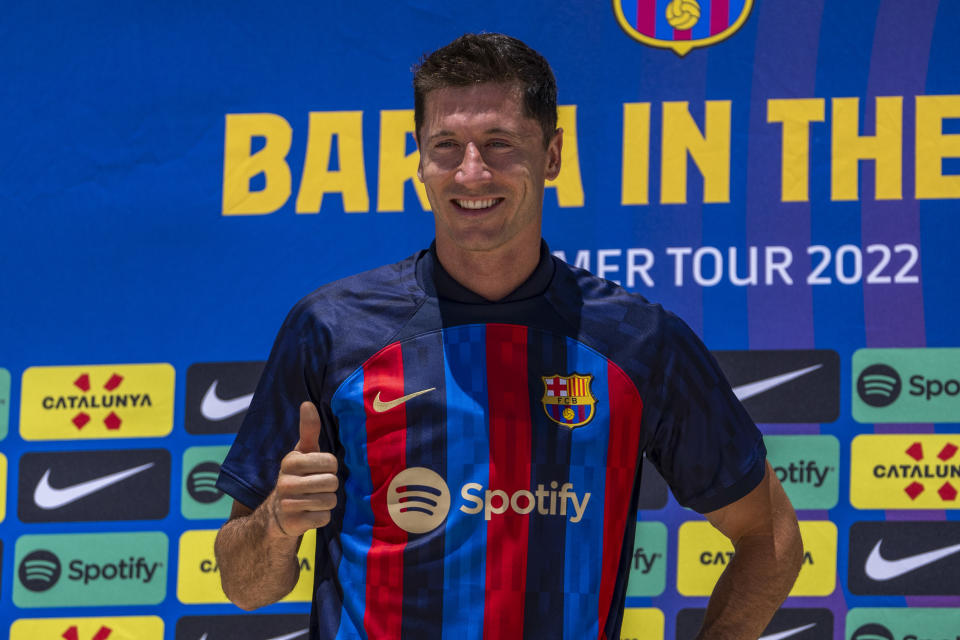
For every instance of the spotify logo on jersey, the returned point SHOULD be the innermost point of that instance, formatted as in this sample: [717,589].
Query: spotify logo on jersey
[879,385]
[418,500]
[40,570]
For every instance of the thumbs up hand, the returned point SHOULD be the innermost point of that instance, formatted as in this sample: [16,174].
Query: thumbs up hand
[310,429]
[307,485]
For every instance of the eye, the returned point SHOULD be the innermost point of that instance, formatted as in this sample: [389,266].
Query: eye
[499,144]
[445,144]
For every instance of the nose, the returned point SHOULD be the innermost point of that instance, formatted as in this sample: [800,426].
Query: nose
[472,167]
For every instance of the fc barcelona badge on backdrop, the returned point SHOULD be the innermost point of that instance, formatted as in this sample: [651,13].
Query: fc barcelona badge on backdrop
[681,25]
[567,400]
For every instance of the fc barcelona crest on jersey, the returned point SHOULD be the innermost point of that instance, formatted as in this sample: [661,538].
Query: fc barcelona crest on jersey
[568,400]
[681,25]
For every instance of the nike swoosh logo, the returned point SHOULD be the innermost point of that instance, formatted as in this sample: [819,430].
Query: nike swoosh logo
[290,636]
[380,406]
[879,568]
[789,632]
[751,389]
[214,408]
[48,497]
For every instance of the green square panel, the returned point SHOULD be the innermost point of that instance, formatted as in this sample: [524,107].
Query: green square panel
[4,402]
[648,566]
[200,499]
[808,468]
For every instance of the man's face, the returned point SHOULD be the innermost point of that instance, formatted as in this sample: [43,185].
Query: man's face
[483,164]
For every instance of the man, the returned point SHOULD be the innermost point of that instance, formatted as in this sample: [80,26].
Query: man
[465,428]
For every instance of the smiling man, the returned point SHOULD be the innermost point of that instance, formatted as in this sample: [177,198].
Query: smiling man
[465,428]
[483,162]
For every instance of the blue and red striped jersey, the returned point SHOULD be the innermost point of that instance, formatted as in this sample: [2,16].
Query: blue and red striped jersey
[490,453]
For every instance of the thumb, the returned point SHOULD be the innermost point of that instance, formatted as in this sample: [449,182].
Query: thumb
[310,428]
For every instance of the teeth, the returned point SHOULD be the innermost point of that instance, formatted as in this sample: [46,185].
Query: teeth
[477,204]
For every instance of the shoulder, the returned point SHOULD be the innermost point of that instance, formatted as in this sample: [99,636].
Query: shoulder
[605,309]
[379,294]
[335,328]
[642,338]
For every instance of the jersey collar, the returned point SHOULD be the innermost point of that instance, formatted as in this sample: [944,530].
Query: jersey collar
[436,281]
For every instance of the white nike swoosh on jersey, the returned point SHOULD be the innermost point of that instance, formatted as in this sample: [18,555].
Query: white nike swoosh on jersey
[751,389]
[214,408]
[789,632]
[48,497]
[879,568]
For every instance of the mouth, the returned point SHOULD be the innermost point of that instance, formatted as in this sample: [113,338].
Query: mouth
[476,204]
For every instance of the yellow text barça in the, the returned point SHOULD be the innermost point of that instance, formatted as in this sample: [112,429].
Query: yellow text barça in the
[335,163]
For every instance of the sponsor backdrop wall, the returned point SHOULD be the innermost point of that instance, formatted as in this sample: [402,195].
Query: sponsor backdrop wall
[784,175]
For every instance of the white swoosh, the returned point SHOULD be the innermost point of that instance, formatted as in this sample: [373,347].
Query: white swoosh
[880,569]
[290,636]
[751,389]
[215,408]
[789,632]
[48,497]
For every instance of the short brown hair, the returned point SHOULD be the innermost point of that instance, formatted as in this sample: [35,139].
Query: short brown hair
[478,58]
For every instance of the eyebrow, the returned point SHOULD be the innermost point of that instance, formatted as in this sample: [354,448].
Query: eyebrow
[440,134]
[492,131]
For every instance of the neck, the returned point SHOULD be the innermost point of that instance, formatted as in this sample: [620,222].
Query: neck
[491,274]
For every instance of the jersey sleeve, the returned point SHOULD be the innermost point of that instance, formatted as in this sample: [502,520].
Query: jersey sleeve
[271,428]
[701,439]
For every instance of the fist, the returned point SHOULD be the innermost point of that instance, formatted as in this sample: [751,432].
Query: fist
[306,489]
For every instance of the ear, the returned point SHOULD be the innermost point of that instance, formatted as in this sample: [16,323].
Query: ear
[554,148]
[419,159]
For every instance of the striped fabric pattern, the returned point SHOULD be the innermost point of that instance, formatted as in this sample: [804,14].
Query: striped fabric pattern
[524,565]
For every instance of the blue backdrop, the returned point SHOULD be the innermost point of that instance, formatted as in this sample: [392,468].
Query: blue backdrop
[139,225]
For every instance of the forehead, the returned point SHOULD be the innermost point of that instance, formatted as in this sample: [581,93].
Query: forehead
[477,105]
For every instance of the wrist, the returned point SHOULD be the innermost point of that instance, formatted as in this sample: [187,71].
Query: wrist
[272,524]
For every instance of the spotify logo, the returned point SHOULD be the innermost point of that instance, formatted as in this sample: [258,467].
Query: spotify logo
[899,623]
[879,385]
[418,500]
[912,385]
[202,482]
[90,569]
[200,498]
[40,570]
[872,631]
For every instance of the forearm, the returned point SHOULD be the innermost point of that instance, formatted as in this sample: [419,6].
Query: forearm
[257,562]
[753,586]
